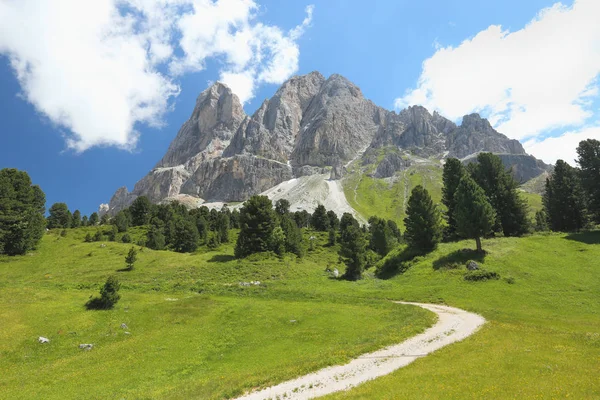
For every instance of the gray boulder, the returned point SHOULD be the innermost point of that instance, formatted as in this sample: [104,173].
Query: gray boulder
[472,265]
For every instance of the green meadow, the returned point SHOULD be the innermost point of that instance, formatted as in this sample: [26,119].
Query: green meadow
[196,327]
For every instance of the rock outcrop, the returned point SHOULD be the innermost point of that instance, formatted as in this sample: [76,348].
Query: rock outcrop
[312,125]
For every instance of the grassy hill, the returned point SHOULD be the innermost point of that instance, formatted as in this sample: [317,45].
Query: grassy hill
[388,198]
[195,332]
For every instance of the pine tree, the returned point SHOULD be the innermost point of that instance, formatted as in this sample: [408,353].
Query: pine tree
[109,295]
[282,206]
[112,233]
[422,222]
[293,235]
[319,219]
[382,239]
[94,219]
[278,241]
[60,217]
[76,219]
[394,229]
[346,221]
[541,221]
[140,211]
[332,237]
[84,221]
[121,221]
[185,236]
[222,227]
[202,226]
[588,153]
[130,259]
[155,238]
[501,190]
[353,252]
[257,221]
[104,219]
[22,207]
[474,214]
[564,199]
[302,218]
[334,221]
[453,172]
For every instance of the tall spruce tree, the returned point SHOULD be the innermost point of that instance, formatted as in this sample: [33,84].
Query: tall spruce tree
[94,219]
[22,207]
[293,235]
[76,219]
[140,211]
[382,239]
[588,159]
[282,206]
[423,222]
[60,217]
[501,190]
[453,173]
[353,252]
[222,227]
[257,221]
[474,214]
[121,221]
[564,199]
[319,219]
[185,235]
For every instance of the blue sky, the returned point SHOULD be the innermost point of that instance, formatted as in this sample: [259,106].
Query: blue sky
[80,135]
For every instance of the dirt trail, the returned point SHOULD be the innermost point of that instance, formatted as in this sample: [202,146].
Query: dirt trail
[452,326]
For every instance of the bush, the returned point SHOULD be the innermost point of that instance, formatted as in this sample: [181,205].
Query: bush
[63,233]
[481,275]
[89,238]
[126,238]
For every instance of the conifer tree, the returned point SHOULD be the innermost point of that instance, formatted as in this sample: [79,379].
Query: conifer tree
[76,219]
[155,238]
[84,221]
[382,239]
[319,219]
[423,222]
[121,221]
[282,206]
[140,211]
[59,217]
[353,252]
[257,221]
[185,235]
[564,199]
[94,219]
[131,258]
[293,235]
[501,190]
[222,227]
[453,172]
[474,214]
[588,159]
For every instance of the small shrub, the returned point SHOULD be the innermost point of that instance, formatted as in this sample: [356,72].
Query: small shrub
[126,238]
[481,275]
[89,238]
[131,259]
[98,237]
[510,280]
[63,233]
[109,296]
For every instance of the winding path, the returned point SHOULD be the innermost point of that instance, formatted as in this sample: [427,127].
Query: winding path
[452,326]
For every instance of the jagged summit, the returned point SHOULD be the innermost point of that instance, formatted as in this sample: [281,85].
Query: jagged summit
[311,125]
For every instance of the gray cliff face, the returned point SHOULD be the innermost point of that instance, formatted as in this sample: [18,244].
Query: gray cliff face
[274,127]
[522,166]
[311,125]
[475,134]
[235,178]
[337,125]
[216,117]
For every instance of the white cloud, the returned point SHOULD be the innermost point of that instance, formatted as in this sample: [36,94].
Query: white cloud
[253,53]
[92,67]
[527,82]
[561,147]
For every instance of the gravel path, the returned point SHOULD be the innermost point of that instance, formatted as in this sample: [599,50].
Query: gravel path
[452,326]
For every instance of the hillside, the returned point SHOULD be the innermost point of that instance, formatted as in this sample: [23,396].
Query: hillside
[195,331]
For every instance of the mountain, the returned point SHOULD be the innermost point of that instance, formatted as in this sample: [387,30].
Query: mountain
[312,125]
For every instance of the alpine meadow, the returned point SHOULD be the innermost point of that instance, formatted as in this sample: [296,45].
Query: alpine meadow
[294,239]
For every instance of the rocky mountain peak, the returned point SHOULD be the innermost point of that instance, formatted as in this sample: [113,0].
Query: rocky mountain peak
[216,117]
[312,124]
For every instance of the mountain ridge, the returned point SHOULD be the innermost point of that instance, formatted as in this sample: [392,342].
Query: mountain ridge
[311,125]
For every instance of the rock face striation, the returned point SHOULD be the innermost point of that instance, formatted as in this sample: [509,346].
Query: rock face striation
[312,125]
